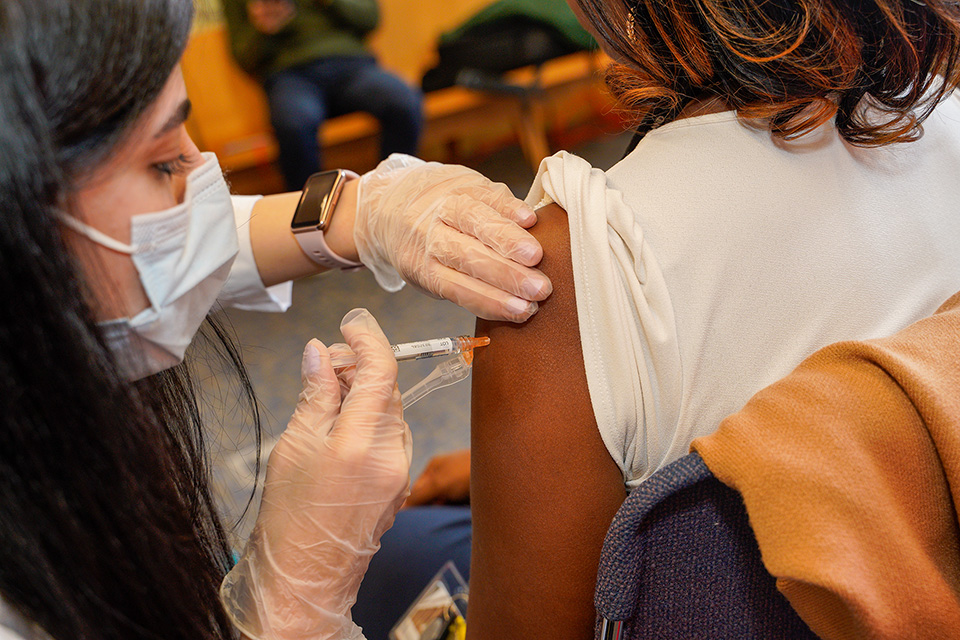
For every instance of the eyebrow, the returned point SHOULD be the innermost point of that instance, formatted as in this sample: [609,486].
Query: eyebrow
[178,118]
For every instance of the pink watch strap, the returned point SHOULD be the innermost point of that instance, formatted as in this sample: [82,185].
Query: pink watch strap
[315,245]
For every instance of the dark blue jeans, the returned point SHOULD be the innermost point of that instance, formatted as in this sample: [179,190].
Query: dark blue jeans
[302,97]
[420,542]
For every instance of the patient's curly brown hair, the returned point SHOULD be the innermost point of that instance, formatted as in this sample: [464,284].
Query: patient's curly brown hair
[794,64]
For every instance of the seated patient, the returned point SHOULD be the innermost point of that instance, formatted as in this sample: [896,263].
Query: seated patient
[797,186]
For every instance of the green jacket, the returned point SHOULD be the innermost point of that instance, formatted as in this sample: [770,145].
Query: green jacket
[555,13]
[320,29]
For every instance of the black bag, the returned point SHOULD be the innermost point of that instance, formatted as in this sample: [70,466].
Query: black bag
[484,51]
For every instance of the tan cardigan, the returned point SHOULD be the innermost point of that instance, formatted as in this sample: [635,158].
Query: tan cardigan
[850,472]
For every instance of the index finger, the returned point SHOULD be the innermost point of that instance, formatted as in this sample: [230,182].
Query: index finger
[375,379]
[498,196]
[485,223]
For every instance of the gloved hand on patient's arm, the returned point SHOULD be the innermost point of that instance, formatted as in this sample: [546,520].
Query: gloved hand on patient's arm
[452,233]
[334,483]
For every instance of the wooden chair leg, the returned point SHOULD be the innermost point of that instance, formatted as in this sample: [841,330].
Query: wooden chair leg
[532,130]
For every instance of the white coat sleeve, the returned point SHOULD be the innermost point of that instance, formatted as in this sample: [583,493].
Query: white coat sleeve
[15,627]
[244,289]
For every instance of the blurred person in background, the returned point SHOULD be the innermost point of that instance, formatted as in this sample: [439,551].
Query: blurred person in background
[312,60]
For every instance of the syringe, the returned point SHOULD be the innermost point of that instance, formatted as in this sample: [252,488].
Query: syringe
[422,349]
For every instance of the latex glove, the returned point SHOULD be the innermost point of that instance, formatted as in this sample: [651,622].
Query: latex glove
[334,482]
[445,480]
[453,234]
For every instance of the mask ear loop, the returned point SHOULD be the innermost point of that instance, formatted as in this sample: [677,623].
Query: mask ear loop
[444,374]
[96,235]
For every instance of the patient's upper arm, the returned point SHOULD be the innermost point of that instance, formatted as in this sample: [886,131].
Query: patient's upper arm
[543,487]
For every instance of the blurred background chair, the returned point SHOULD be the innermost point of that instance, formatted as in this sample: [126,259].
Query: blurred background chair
[680,561]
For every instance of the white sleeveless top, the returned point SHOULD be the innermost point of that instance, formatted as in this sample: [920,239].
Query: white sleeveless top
[713,259]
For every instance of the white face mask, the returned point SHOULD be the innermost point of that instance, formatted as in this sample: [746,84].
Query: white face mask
[183,256]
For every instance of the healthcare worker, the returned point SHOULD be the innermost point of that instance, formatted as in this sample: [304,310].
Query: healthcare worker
[116,238]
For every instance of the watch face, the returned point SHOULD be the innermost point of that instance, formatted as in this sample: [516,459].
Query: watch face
[315,200]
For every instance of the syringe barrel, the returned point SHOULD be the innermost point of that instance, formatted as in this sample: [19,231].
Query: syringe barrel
[422,349]
[426,348]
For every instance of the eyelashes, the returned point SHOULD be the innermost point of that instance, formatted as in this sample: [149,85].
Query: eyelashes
[175,167]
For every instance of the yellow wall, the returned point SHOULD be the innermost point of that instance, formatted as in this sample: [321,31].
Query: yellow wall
[208,13]
[406,41]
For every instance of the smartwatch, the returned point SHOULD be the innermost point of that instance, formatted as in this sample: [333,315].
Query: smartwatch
[314,213]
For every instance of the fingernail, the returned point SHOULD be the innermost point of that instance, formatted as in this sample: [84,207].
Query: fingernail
[352,315]
[526,213]
[529,252]
[311,361]
[534,287]
[521,307]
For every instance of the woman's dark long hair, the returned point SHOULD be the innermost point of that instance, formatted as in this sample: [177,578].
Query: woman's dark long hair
[795,64]
[107,525]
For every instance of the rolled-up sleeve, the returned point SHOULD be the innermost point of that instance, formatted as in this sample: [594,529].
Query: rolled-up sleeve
[628,331]
[244,289]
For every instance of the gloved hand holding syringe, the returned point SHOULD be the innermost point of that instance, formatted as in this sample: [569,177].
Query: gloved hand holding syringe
[446,373]
[333,483]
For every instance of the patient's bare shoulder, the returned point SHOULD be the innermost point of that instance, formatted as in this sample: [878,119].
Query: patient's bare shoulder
[543,487]
[551,337]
